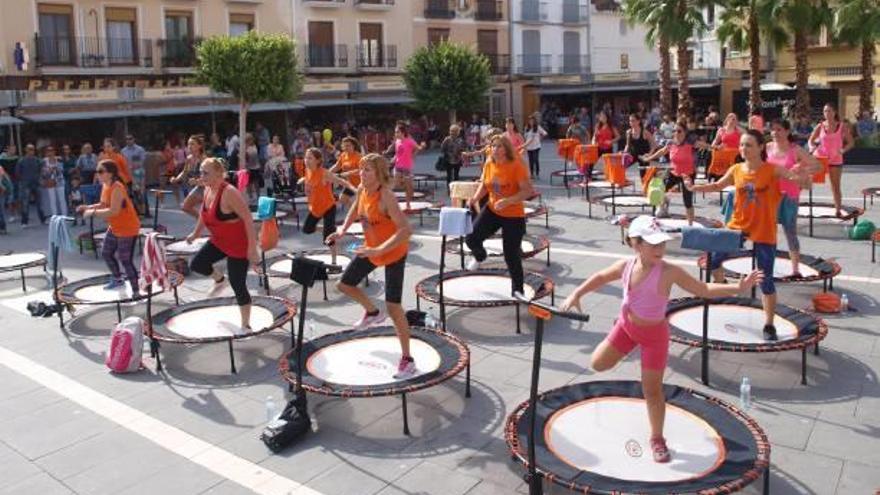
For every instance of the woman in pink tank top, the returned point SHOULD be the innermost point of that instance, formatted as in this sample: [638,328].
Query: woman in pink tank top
[782,152]
[832,139]
[647,281]
[681,158]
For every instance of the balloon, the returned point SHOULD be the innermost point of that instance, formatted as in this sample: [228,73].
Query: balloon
[328,135]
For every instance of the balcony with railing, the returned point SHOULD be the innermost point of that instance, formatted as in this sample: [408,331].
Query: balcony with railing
[499,65]
[573,64]
[320,57]
[374,4]
[178,52]
[573,12]
[532,11]
[92,52]
[376,58]
[439,9]
[325,3]
[489,10]
[534,64]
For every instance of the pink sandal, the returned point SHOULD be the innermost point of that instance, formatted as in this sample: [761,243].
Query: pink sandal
[661,452]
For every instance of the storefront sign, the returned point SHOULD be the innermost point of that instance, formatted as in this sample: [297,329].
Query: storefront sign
[109,82]
[561,80]
[325,87]
[394,85]
[75,96]
[613,77]
[163,93]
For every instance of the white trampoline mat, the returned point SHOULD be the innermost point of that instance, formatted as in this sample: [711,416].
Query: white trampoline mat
[415,205]
[626,201]
[356,229]
[603,184]
[369,361]
[610,436]
[286,265]
[818,211]
[217,321]
[182,247]
[402,195]
[570,173]
[495,247]
[530,210]
[98,294]
[481,288]
[782,267]
[730,323]
[677,224]
[18,259]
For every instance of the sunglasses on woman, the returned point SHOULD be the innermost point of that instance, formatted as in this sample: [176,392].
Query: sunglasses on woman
[100,171]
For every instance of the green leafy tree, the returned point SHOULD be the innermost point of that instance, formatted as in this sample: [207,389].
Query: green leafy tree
[252,68]
[857,22]
[447,77]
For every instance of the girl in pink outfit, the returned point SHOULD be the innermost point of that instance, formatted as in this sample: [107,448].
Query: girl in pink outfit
[781,151]
[647,281]
[832,139]
[512,133]
[404,148]
[729,134]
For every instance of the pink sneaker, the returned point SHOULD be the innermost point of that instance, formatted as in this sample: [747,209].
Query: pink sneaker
[661,452]
[368,320]
[405,368]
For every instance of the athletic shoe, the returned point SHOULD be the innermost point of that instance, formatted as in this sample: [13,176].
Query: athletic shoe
[770,333]
[25,226]
[368,320]
[218,287]
[661,452]
[473,265]
[406,368]
[114,284]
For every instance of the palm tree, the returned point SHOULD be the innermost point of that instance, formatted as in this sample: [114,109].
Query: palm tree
[740,29]
[687,21]
[798,19]
[857,22]
[655,15]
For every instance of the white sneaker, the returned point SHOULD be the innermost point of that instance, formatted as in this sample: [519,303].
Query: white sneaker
[406,368]
[369,320]
[473,265]
[218,288]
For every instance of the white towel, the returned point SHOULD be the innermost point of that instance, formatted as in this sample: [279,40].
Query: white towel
[153,270]
[455,221]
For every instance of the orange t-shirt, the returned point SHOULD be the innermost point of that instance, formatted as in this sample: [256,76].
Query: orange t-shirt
[502,181]
[320,192]
[757,202]
[348,162]
[378,227]
[125,223]
[121,164]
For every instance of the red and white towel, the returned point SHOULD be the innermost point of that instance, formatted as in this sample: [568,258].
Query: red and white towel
[153,269]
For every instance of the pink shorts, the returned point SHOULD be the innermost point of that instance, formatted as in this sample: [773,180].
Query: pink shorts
[653,340]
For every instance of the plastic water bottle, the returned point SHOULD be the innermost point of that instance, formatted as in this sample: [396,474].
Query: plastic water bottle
[844,303]
[430,323]
[270,409]
[745,394]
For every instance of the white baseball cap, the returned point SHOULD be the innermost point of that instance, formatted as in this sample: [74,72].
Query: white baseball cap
[648,229]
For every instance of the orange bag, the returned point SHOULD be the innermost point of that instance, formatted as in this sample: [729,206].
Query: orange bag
[826,302]
[615,172]
[586,155]
[722,159]
[299,167]
[565,148]
[819,177]
[650,172]
[269,234]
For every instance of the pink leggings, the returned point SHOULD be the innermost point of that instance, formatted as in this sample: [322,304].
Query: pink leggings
[653,340]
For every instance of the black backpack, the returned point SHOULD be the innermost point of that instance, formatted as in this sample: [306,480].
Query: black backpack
[291,425]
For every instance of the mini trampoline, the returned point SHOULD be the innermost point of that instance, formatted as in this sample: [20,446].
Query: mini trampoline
[624,200]
[423,179]
[530,247]
[593,438]
[90,292]
[812,268]
[566,175]
[280,215]
[484,288]
[418,195]
[735,325]
[675,222]
[417,208]
[183,248]
[869,192]
[824,211]
[535,210]
[216,320]
[280,266]
[11,262]
[361,363]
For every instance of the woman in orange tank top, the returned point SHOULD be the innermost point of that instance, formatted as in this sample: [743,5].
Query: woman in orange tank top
[124,226]
[755,212]
[319,184]
[348,167]
[386,243]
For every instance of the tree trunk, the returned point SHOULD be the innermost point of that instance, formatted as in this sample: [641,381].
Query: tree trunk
[665,77]
[866,85]
[802,72]
[755,62]
[684,95]
[242,134]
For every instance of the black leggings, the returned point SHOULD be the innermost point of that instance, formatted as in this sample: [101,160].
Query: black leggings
[512,231]
[329,218]
[452,171]
[687,195]
[534,161]
[236,269]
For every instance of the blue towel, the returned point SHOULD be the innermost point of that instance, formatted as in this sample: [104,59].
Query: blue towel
[59,235]
[727,205]
[714,240]
[265,208]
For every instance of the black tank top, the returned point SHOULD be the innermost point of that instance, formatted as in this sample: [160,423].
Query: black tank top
[638,145]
